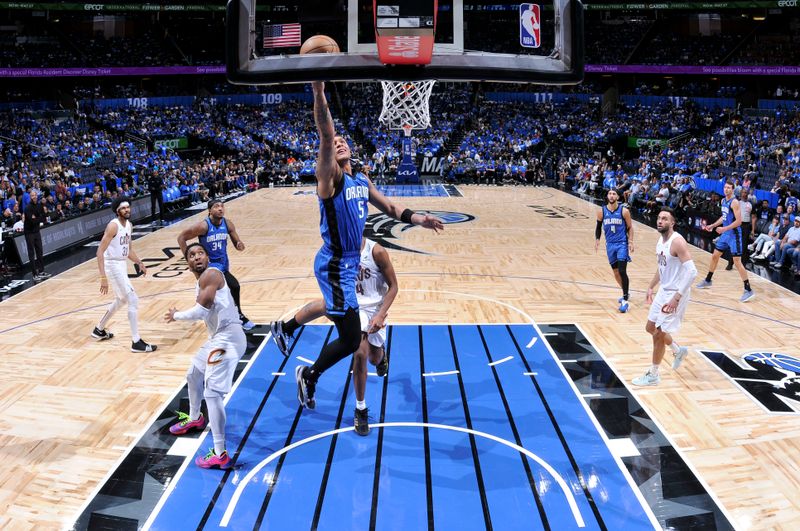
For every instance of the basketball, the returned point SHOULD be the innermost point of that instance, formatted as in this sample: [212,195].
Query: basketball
[319,44]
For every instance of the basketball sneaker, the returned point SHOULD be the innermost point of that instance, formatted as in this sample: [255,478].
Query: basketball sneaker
[648,379]
[186,424]
[748,295]
[682,352]
[102,335]
[305,387]
[141,346]
[383,366]
[247,324]
[281,339]
[704,284]
[212,460]
[361,422]
[623,306]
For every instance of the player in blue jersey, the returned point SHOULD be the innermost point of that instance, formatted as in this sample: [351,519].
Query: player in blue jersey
[343,206]
[213,233]
[615,220]
[729,228]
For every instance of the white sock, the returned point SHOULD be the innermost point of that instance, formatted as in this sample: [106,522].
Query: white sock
[674,346]
[361,404]
[216,417]
[654,370]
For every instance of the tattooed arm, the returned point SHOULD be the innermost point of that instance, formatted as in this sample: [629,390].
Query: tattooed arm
[327,170]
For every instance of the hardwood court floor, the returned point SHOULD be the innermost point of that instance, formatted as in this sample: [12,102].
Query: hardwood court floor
[70,407]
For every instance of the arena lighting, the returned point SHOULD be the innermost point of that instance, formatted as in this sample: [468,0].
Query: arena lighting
[759,18]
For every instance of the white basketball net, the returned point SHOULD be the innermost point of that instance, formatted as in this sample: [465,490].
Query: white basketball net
[405,104]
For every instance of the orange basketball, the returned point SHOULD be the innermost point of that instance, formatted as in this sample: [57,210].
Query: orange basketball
[319,44]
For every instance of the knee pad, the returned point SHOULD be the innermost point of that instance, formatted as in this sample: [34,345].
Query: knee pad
[195,375]
[211,393]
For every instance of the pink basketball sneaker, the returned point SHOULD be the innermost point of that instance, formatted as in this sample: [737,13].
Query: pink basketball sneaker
[212,460]
[185,424]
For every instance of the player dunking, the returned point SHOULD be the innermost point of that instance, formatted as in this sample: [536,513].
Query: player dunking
[615,220]
[376,289]
[676,272]
[211,373]
[730,239]
[343,199]
[213,233]
[113,253]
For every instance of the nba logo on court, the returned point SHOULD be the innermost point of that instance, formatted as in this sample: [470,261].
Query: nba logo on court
[530,35]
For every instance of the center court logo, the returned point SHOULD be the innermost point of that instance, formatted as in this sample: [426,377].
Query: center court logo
[558,212]
[770,378]
[162,266]
[384,230]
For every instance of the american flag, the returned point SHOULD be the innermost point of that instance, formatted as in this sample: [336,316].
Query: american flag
[281,35]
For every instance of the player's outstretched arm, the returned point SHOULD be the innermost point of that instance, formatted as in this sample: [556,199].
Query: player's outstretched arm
[383,262]
[193,231]
[687,273]
[382,203]
[328,169]
[210,281]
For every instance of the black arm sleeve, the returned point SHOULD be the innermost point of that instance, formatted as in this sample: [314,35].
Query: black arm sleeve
[598,229]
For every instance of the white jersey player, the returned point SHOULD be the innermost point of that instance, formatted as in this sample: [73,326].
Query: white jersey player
[675,272]
[113,253]
[210,375]
[376,289]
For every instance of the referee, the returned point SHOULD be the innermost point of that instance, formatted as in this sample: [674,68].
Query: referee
[156,184]
[746,211]
[34,217]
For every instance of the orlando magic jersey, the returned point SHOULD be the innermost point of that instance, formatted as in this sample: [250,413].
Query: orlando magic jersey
[342,217]
[215,242]
[727,212]
[616,230]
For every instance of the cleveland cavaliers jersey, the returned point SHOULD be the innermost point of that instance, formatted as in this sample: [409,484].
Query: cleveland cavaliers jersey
[371,285]
[342,217]
[215,242]
[120,244]
[669,267]
[223,312]
[614,225]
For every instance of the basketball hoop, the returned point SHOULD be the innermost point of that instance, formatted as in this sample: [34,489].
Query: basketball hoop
[406,105]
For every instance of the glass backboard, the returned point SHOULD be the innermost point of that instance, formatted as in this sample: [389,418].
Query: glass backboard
[474,41]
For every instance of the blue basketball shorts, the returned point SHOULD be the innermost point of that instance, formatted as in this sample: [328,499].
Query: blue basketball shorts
[617,252]
[730,241]
[336,276]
